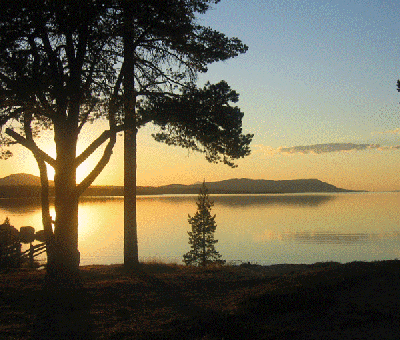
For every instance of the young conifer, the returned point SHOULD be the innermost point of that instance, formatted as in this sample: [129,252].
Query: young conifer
[201,238]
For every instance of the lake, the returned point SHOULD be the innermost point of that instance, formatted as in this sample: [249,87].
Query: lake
[263,229]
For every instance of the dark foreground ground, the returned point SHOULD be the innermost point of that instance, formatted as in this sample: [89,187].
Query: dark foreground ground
[359,300]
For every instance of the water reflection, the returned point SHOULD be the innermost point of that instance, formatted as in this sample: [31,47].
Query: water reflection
[14,205]
[103,199]
[19,205]
[263,200]
[250,200]
[327,237]
[267,229]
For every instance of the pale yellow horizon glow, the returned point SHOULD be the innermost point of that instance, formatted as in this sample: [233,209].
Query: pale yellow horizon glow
[158,164]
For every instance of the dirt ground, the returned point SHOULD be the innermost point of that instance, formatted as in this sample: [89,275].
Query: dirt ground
[358,300]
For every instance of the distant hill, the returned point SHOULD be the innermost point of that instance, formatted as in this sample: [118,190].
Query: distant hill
[251,186]
[20,179]
[24,185]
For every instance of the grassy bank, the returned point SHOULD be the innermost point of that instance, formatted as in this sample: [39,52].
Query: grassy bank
[358,300]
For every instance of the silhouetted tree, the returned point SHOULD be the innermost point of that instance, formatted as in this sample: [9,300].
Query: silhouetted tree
[55,74]
[10,248]
[65,63]
[201,238]
[164,49]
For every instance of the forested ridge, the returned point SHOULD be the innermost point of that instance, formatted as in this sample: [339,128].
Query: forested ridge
[231,186]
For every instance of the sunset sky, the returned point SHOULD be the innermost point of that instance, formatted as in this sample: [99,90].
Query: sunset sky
[318,90]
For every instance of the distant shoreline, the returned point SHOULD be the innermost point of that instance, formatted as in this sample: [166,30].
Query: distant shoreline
[105,191]
[23,185]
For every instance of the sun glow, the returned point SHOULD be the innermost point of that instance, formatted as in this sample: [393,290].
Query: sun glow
[46,143]
[82,171]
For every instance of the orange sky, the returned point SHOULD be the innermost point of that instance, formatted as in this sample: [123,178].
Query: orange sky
[318,91]
[158,164]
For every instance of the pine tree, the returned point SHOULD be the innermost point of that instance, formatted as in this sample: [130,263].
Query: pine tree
[201,238]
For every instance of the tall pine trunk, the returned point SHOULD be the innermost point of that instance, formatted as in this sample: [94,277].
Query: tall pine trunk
[63,309]
[131,258]
[64,262]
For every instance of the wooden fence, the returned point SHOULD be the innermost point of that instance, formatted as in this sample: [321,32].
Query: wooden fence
[32,252]
[11,255]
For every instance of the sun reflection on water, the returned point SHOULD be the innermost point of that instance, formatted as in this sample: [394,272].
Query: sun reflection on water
[261,228]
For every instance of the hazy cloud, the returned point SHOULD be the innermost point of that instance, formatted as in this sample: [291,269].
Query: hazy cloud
[324,148]
[391,132]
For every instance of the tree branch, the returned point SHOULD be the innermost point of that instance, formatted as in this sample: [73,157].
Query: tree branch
[47,109]
[96,143]
[35,54]
[118,83]
[98,168]
[54,64]
[31,145]
[92,147]
[44,181]
[86,115]
[70,51]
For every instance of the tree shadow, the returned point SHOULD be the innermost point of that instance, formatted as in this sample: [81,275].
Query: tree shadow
[63,311]
[193,320]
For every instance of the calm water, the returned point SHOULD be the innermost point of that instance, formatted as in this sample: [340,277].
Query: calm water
[266,229]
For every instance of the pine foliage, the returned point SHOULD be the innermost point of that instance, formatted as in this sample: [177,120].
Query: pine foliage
[201,238]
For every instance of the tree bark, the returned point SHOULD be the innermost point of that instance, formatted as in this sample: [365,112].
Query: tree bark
[64,263]
[131,257]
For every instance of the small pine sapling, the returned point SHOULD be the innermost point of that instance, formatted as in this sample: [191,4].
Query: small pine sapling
[201,238]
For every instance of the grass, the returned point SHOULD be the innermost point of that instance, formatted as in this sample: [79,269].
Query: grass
[358,300]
